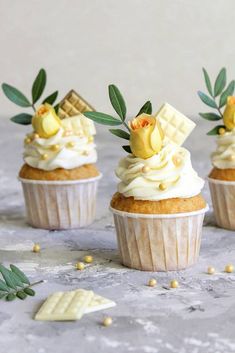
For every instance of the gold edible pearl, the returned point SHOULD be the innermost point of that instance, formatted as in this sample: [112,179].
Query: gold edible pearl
[152,282]
[71,144]
[55,148]
[107,321]
[90,139]
[229,268]
[80,266]
[88,259]
[174,283]
[210,270]
[162,186]
[221,131]
[27,140]
[44,156]
[85,153]
[146,169]
[177,160]
[231,158]
[35,136]
[36,248]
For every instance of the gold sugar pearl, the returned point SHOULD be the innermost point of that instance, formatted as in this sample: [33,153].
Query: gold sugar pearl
[107,321]
[229,268]
[35,136]
[44,156]
[70,144]
[177,160]
[36,248]
[174,283]
[90,139]
[231,158]
[210,270]
[88,259]
[221,131]
[152,282]
[27,140]
[85,153]
[80,266]
[146,169]
[55,148]
[162,186]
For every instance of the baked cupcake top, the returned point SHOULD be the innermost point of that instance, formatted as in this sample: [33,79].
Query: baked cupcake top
[54,143]
[157,167]
[220,99]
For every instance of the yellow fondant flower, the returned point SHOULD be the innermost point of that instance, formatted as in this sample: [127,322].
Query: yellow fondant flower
[45,122]
[146,136]
[229,113]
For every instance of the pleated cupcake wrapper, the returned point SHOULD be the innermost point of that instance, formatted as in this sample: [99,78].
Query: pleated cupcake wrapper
[159,242]
[223,200]
[60,204]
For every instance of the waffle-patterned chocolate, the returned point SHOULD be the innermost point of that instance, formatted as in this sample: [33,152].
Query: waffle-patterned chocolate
[73,104]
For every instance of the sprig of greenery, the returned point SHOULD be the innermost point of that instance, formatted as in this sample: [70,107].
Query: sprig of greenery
[119,105]
[217,97]
[17,97]
[15,284]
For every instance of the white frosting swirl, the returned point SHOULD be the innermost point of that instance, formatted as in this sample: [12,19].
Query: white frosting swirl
[72,151]
[224,156]
[170,168]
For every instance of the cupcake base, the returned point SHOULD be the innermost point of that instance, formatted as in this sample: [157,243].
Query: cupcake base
[157,242]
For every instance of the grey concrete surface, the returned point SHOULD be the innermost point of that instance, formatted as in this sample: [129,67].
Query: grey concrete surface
[199,317]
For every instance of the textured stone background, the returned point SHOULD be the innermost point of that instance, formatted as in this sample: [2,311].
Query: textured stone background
[199,317]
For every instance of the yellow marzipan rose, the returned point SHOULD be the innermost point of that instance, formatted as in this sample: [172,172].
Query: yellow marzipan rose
[45,122]
[229,113]
[146,136]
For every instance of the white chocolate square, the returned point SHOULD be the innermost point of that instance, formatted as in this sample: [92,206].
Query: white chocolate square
[65,306]
[176,126]
[99,303]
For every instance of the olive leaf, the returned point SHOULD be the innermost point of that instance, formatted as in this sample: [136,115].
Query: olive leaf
[117,101]
[127,149]
[19,273]
[227,92]
[210,116]
[3,286]
[56,107]
[207,100]
[146,108]
[120,133]
[220,82]
[15,96]
[215,130]
[51,98]
[102,118]
[38,85]
[22,119]
[7,277]
[208,82]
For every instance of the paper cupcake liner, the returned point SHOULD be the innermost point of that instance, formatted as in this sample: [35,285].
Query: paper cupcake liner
[60,204]
[223,200]
[159,242]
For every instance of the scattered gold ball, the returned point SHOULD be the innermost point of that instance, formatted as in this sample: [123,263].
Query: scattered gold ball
[44,156]
[174,283]
[107,321]
[27,140]
[90,139]
[88,259]
[231,158]
[162,186]
[229,268]
[146,169]
[210,270]
[36,248]
[177,160]
[55,148]
[85,153]
[221,131]
[152,282]
[71,144]
[35,136]
[80,266]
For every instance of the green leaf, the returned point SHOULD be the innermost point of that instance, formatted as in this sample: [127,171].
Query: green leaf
[7,275]
[29,291]
[210,116]
[10,297]
[208,82]
[220,82]
[56,107]
[15,95]
[21,295]
[102,118]
[207,100]
[117,101]
[20,274]
[51,98]
[2,295]
[146,108]
[215,130]
[120,133]
[3,286]
[228,92]
[22,119]
[127,149]
[39,85]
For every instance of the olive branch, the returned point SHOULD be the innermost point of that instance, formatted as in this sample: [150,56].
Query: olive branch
[217,97]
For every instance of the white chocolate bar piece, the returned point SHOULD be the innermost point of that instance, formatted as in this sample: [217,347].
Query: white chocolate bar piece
[65,306]
[176,126]
[99,303]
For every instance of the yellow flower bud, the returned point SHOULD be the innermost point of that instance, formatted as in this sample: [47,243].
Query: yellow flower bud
[229,113]
[146,136]
[45,121]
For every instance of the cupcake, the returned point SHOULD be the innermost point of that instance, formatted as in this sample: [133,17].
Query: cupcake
[222,176]
[158,208]
[59,176]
